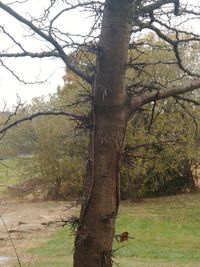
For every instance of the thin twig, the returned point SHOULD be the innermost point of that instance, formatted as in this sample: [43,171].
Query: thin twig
[10,238]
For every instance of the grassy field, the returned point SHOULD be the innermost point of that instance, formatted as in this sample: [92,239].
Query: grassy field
[8,173]
[166,233]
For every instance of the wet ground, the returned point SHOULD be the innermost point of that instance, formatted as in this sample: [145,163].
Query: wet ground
[23,225]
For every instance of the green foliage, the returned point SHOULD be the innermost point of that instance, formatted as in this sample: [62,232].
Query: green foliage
[20,140]
[162,137]
[160,151]
[53,147]
[57,162]
[156,64]
[54,165]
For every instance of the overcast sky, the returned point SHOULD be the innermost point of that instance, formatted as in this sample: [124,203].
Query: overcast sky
[35,69]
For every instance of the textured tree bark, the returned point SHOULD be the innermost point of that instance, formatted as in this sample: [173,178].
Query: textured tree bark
[93,244]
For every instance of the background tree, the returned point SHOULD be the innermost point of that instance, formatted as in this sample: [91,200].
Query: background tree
[112,106]
[165,132]
[52,158]
[57,163]
[160,152]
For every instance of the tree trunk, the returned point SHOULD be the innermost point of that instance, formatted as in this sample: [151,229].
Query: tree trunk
[93,244]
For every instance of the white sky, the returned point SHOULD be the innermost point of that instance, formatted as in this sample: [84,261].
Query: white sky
[33,69]
[11,87]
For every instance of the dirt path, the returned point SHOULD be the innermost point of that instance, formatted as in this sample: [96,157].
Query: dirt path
[27,224]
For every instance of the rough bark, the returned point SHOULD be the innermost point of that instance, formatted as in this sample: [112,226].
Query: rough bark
[111,109]
[93,244]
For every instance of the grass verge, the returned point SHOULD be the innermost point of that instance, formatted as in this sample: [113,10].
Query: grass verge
[165,232]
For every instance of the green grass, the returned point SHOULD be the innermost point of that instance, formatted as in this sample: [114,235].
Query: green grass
[8,173]
[55,252]
[166,233]
[165,230]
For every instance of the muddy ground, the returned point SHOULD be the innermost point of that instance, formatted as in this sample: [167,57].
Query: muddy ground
[26,223]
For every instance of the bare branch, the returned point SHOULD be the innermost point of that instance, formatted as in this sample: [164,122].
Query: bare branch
[156,5]
[42,113]
[11,37]
[153,63]
[164,143]
[174,44]
[189,100]
[67,60]
[181,103]
[136,102]
[17,77]
[72,7]
[30,54]
[17,2]
[8,119]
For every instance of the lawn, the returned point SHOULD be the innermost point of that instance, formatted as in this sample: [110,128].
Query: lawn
[164,232]
[8,173]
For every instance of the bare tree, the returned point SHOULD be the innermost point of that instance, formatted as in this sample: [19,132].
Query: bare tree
[115,33]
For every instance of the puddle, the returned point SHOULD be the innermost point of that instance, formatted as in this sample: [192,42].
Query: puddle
[3,260]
